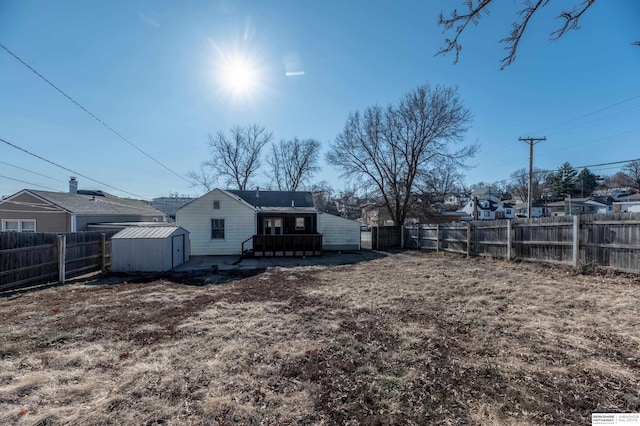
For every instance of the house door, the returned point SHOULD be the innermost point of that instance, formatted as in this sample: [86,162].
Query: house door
[177,245]
[272,226]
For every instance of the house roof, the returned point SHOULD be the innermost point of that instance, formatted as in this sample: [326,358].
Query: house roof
[275,198]
[90,204]
[147,232]
[170,205]
[632,197]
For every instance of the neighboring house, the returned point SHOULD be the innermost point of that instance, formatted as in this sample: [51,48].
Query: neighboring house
[376,215]
[32,210]
[630,203]
[456,200]
[490,209]
[266,223]
[575,206]
[537,210]
[601,206]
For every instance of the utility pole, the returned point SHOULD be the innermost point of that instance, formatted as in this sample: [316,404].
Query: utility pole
[531,142]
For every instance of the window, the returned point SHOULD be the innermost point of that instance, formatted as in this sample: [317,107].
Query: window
[486,213]
[28,226]
[216,204]
[217,229]
[300,224]
[10,225]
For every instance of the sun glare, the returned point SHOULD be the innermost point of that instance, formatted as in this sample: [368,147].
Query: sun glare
[239,76]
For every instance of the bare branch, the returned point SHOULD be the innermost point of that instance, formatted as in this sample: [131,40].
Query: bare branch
[237,159]
[571,18]
[518,30]
[473,16]
[293,162]
[202,178]
[457,23]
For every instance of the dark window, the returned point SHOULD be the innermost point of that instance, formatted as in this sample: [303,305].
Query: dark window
[216,204]
[217,229]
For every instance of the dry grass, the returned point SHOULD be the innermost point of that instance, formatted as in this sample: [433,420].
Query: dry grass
[411,338]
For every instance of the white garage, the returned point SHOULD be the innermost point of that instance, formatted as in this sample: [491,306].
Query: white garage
[338,233]
[149,249]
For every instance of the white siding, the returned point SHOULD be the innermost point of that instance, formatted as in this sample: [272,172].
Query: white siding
[239,218]
[338,233]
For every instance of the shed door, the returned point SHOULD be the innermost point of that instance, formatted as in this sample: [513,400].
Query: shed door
[177,244]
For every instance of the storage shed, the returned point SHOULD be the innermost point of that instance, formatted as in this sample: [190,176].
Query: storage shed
[149,249]
[338,233]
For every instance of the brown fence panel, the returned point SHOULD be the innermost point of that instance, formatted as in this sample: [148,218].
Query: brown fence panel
[606,240]
[28,259]
[611,240]
[547,239]
[490,238]
[386,237]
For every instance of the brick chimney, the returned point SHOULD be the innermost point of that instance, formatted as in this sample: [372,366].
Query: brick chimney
[73,185]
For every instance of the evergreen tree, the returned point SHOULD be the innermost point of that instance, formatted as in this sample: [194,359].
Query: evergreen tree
[586,182]
[563,181]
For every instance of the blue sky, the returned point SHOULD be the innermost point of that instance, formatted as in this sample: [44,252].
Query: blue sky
[151,71]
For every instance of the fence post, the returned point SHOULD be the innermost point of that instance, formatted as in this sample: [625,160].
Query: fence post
[103,247]
[468,239]
[437,237]
[62,255]
[576,239]
[508,240]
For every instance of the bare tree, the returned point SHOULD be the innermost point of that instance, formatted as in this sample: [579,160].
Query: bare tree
[202,178]
[440,181]
[474,9]
[617,180]
[385,149]
[293,162]
[520,184]
[632,170]
[323,197]
[236,159]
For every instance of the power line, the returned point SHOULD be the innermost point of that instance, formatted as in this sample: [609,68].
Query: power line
[69,170]
[91,114]
[30,171]
[591,113]
[594,120]
[28,183]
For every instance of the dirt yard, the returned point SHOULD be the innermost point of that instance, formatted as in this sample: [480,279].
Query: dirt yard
[407,338]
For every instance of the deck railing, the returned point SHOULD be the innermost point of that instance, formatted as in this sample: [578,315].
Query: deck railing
[287,245]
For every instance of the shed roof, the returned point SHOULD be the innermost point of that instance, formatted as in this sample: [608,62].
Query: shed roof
[148,232]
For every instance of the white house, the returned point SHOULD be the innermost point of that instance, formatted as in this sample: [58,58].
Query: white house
[265,223]
[537,210]
[490,209]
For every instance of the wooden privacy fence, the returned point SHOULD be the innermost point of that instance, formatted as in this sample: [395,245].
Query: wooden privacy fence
[28,259]
[386,237]
[607,240]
